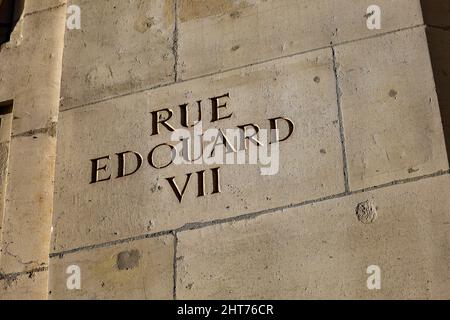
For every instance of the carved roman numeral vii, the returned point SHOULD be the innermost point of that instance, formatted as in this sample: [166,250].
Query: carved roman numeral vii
[201,181]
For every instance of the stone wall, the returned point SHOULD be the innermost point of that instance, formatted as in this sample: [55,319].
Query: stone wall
[30,76]
[363,172]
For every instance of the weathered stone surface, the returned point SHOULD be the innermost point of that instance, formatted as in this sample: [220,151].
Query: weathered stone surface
[34,83]
[5,125]
[32,286]
[301,88]
[30,74]
[28,205]
[138,270]
[216,35]
[323,251]
[5,139]
[123,46]
[392,123]
[4,151]
[295,249]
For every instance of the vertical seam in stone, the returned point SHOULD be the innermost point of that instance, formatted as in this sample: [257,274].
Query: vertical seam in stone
[4,188]
[175,236]
[3,204]
[175,41]
[341,123]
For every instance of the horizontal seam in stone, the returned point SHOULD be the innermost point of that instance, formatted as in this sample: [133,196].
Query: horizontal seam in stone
[44,10]
[237,68]
[23,273]
[33,132]
[250,216]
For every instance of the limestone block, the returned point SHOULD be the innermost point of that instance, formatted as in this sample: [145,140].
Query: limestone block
[322,250]
[123,46]
[5,139]
[300,88]
[391,118]
[137,270]
[32,75]
[28,204]
[216,35]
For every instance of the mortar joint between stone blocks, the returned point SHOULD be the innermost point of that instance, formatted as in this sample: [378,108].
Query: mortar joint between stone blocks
[175,247]
[150,88]
[175,41]
[5,276]
[245,217]
[45,10]
[341,122]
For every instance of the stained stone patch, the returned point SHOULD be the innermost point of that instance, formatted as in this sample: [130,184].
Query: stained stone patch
[366,212]
[141,269]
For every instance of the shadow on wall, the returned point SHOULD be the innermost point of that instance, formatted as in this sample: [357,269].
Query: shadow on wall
[10,13]
[437,18]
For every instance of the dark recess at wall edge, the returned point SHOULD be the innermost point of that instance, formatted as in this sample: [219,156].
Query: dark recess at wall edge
[437,19]
[10,12]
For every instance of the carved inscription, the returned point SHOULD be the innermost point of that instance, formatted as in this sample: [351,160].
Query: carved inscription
[163,121]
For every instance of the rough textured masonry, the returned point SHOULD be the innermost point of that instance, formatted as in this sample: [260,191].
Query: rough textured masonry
[92,207]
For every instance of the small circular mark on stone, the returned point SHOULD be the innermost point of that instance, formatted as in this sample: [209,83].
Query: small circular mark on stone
[366,212]
[316,79]
[393,94]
